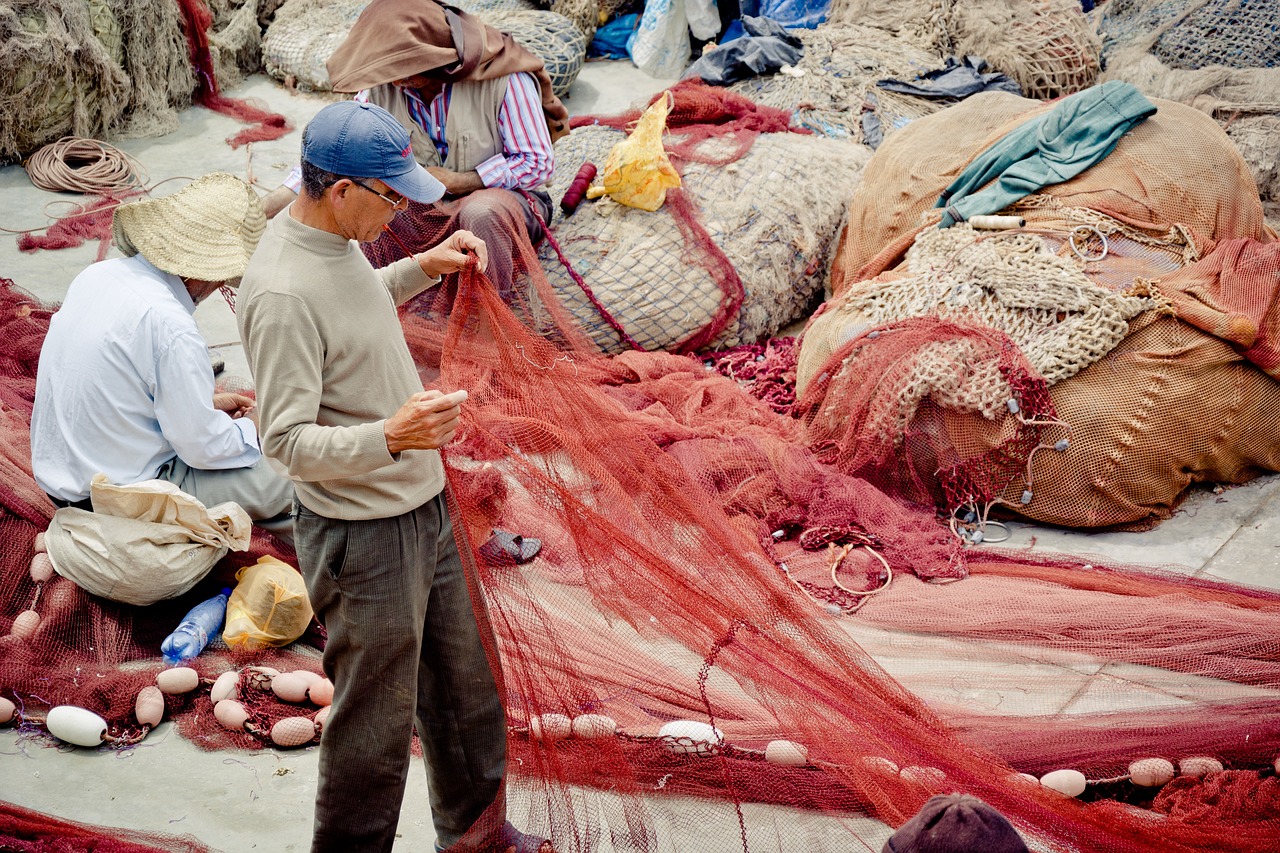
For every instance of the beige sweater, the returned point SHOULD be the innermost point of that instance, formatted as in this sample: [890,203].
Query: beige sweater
[330,363]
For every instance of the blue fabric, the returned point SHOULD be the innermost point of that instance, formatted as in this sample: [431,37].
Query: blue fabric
[612,41]
[734,31]
[795,13]
[1078,132]
[959,78]
[766,47]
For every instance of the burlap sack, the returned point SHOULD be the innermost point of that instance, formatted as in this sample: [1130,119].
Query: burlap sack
[143,543]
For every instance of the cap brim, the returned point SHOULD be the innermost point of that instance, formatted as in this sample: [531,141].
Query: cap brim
[417,185]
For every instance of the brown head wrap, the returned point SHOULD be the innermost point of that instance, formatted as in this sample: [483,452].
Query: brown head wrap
[395,39]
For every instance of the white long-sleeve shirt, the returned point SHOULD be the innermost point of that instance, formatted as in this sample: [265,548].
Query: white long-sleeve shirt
[124,385]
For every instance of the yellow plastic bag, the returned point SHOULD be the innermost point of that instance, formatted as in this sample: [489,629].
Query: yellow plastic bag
[268,607]
[637,172]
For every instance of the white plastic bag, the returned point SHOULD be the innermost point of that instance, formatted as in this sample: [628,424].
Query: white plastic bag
[704,18]
[661,45]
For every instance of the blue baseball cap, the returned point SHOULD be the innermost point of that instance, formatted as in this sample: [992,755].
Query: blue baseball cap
[359,140]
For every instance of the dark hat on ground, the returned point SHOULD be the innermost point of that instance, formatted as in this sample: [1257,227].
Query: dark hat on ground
[352,139]
[956,823]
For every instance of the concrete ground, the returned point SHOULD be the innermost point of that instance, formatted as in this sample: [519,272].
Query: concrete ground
[262,800]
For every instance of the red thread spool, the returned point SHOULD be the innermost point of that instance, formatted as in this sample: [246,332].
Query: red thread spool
[578,188]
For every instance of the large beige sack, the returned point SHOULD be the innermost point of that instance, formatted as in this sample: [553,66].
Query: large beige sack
[144,542]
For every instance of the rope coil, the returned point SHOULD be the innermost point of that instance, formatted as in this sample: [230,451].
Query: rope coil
[88,166]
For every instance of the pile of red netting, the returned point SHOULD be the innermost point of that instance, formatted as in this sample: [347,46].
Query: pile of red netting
[700,562]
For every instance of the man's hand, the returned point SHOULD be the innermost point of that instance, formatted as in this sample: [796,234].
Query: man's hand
[456,183]
[453,254]
[236,405]
[427,421]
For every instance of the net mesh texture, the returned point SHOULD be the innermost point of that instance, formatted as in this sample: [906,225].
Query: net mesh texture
[701,561]
[706,558]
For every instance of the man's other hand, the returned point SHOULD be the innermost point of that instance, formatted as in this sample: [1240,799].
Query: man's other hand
[453,254]
[427,421]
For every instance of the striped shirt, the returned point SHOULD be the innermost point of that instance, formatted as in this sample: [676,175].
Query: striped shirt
[528,159]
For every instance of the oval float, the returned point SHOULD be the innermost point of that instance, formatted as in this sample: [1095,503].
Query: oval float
[593,726]
[76,725]
[180,679]
[691,737]
[231,714]
[1069,782]
[786,753]
[225,686]
[293,731]
[149,706]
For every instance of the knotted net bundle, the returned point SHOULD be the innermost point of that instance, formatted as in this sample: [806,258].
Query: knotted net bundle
[1048,46]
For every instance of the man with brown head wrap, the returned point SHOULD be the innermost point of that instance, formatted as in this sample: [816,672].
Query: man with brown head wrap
[482,117]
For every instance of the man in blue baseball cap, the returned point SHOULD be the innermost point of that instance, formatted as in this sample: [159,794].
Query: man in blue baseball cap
[342,407]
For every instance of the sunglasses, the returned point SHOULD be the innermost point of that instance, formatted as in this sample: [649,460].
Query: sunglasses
[395,201]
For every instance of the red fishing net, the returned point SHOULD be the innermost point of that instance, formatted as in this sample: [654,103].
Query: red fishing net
[264,124]
[703,561]
[27,831]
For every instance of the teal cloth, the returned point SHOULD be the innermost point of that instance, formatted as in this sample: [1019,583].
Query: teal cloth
[1078,132]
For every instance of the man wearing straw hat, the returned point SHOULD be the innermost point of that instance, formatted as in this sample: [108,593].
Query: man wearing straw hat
[343,408]
[124,385]
[482,116]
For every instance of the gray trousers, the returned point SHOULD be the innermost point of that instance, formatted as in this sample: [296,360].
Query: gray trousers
[265,494]
[404,649]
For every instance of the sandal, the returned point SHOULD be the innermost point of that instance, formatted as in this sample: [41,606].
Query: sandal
[505,548]
[511,840]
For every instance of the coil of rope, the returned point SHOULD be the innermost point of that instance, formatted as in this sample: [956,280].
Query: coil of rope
[89,166]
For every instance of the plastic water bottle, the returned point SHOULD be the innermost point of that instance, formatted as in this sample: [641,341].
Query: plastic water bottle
[202,623]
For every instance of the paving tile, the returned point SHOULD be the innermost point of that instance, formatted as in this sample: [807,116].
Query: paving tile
[1252,555]
[1185,543]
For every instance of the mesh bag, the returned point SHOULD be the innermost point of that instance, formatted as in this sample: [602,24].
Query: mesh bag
[1170,407]
[1047,304]
[586,15]
[1095,449]
[1189,34]
[137,63]
[1256,137]
[550,36]
[1174,169]
[654,278]
[44,96]
[1048,46]
[235,40]
[305,33]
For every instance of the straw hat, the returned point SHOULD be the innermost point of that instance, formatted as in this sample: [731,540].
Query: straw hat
[207,230]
